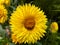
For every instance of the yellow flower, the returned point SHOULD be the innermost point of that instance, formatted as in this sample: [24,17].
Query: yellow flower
[28,24]
[7,2]
[3,14]
[1,1]
[54,27]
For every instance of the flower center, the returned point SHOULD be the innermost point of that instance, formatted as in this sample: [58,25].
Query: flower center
[29,23]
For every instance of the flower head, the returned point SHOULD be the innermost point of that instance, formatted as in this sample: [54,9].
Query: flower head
[28,24]
[3,14]
[54,27]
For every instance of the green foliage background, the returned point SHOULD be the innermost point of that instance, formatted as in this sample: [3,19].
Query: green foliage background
[51,9]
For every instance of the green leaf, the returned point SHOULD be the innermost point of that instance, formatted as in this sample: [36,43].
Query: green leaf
[38,43]
[11,43]
[58,38]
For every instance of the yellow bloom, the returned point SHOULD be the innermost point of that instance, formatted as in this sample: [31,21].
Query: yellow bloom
[54,27]
[3,14]
[28,24]
[7,2]
[1,1]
